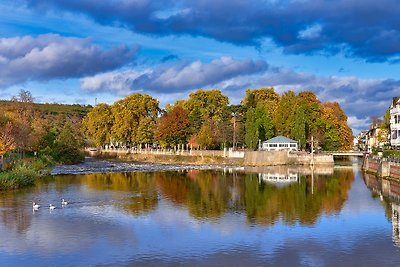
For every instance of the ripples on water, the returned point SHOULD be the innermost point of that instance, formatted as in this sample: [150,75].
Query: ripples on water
[276,217]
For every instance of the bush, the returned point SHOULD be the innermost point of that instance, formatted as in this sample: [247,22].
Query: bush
[21,176]
[68,155]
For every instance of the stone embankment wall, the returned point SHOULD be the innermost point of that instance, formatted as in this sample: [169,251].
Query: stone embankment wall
[246,158]
[382,167]
[268,158]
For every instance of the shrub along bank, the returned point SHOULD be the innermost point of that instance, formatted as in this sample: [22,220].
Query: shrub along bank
[24,172]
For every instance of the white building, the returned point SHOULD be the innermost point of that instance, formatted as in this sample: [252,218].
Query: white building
[395,122]
[279,143]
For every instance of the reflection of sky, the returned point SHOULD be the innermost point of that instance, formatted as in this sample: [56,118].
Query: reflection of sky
[93,231]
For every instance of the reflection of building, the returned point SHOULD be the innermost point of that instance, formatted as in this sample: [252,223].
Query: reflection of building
[396,224]
[279,143]
[278,178]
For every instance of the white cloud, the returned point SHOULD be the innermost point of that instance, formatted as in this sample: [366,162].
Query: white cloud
[51,56]
[118,82]
[177,78]
[356,123]
[311,32]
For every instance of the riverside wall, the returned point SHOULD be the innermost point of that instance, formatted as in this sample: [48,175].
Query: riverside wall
[269,158]
[382,167]
[229,157]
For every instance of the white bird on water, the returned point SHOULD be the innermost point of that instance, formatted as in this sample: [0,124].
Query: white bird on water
[52,207]
[35,206]
[63,202]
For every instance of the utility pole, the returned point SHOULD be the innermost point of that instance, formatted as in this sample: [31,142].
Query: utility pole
[234,130]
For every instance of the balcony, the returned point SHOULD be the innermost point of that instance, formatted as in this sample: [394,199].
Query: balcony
[395,110]
[395,142]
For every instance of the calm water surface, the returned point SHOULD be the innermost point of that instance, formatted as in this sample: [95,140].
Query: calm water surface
[204,218]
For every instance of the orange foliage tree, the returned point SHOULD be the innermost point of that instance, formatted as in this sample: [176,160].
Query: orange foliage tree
[173,127]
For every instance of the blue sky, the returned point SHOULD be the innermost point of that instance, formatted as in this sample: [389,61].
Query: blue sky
[74,51]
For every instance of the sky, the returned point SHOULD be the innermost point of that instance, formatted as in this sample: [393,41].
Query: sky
[88,51]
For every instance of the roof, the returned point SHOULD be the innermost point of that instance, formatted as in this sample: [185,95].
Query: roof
[280,139]
[395,101]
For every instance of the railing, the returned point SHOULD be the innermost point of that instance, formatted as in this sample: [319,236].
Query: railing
[395,141]
[395,110]
[345,153]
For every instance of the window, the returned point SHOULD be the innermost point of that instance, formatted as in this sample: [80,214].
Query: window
[292,145]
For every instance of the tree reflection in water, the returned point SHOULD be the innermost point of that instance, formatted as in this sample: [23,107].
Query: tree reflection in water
[209,194]
[141,185]
[205,194]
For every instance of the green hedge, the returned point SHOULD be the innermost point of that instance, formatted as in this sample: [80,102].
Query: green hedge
[391,153]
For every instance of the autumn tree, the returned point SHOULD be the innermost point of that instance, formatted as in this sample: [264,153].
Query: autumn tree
[205,137]
[267,96]
[134,119]
[173,127]
[7,142]
[204,105]
[338,134]
[98,124]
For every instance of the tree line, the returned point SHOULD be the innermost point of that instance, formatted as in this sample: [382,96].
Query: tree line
[206,120]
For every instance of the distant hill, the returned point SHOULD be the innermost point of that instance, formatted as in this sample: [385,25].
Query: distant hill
[74,110]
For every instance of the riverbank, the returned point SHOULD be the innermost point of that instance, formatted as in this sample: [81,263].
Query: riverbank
[205,157]
[382,167]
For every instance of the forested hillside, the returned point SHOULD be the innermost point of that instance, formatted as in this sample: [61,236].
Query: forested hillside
[48,129]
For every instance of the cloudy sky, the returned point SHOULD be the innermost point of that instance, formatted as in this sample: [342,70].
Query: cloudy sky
[74,51]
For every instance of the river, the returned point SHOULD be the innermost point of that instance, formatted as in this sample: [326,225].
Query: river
[212,216]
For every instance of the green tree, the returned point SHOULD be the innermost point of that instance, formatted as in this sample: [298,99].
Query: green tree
[68,145]
[386,120]
[299,129]
[251,137]
[312,112]
[286,113]
[264,125]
